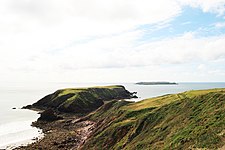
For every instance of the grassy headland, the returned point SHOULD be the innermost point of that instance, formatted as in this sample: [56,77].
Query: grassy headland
[81,100]
[188,120]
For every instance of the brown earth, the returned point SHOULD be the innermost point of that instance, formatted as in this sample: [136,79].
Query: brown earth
[68,133]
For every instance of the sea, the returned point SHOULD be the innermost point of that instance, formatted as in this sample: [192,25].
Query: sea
[15,123]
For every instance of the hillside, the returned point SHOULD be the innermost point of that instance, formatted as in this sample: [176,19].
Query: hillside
[189,120]
[81,100]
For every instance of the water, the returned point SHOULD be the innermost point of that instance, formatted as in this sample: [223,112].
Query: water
[15,123]
[147,91]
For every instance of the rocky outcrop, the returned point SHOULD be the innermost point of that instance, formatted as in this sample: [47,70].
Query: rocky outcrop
[49,115]
[81,100]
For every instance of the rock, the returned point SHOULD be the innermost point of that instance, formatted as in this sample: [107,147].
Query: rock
[134,93]
[49,115]
[13,108]
[134,96]
[61,146]
[27,107]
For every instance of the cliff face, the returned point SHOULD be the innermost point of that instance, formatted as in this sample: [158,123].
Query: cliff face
[189,120]
[81,100]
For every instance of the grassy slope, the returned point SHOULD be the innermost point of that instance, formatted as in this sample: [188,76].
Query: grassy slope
[81,100]
[193,119]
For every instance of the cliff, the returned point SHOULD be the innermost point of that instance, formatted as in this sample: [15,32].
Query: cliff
[189,120]
[81,100]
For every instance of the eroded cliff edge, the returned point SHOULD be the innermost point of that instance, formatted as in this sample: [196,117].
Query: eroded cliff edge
[188,120]
[81,100]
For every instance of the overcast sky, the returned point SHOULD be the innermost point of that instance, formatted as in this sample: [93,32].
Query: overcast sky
[112,40]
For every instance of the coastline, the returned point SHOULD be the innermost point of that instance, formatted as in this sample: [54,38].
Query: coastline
[69,132]
[64,129]
[19,131]
[142,90]
[117,119]
[24,142]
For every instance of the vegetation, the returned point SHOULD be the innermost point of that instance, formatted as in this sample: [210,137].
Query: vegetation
[189,120]
[81,100]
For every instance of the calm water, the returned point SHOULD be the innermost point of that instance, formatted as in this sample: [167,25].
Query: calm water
[15,123]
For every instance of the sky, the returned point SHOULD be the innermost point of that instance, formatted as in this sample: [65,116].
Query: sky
[112,40]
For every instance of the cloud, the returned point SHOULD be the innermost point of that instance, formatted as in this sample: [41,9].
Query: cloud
[100,15]
[185,48]
[220,25]
[212,6]
[28,27]
[35,28]
[122,51]
[73,36]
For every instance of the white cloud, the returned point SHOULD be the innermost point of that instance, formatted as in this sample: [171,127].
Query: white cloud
[54,39]
[220,25]
[123,51]
[33,28]
[28,15]
[213,6]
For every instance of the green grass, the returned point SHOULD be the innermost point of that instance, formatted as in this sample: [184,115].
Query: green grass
[189,120]
[82,100]
[166,99]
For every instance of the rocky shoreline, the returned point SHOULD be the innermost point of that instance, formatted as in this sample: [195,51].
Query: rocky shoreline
[63,130]
[188,120]
[67,133]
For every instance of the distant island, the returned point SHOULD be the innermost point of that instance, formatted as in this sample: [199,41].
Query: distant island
[156,83]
